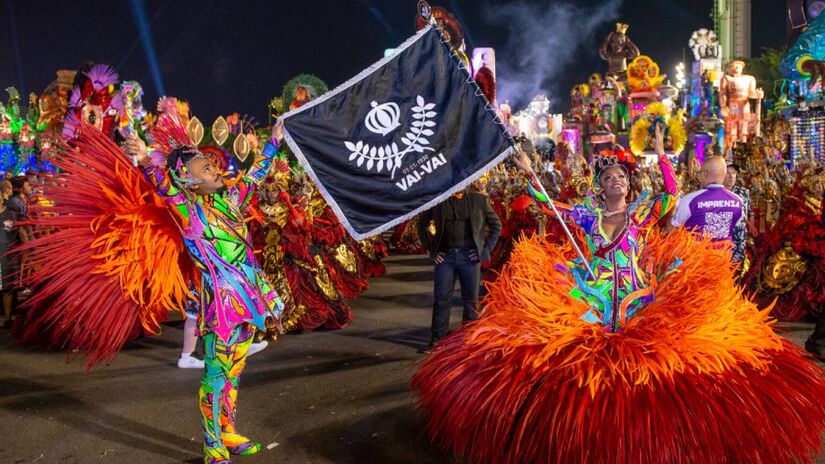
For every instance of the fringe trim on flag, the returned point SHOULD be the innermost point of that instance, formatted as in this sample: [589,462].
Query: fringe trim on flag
[389,225]
[360,76]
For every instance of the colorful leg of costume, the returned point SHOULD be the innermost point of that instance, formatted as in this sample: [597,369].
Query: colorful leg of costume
[225,361]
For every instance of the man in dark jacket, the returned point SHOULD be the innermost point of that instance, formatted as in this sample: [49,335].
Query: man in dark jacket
[458,247]
[816,342]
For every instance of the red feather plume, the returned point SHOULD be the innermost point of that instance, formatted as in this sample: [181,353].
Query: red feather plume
[108,256]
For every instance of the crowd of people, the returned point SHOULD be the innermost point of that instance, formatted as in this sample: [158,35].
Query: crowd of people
[615,277]
[17,193]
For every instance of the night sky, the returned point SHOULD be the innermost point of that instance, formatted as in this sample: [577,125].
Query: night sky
[226,56]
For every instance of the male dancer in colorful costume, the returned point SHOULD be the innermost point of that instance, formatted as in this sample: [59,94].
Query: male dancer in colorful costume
[234,294]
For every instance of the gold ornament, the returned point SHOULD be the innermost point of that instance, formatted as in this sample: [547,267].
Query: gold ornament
[241,147]
[323,280]
[220,130]
[783,271]
[195,130]
[431,228]
[346,258]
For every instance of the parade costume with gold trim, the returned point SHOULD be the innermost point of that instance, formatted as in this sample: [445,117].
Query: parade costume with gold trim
[518,219]
[405,239]
[661,358]
[337,250]
[788,261]
[314,300]
[307,251]
[310,277]
[371,253]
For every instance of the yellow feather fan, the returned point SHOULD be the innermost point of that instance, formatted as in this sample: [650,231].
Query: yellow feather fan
[640,133]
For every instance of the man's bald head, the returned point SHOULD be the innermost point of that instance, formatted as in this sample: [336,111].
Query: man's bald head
[714,170]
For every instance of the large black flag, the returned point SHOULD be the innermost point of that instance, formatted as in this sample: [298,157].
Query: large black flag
[398,138]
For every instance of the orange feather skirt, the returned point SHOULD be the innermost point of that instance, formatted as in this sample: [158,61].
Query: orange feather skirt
[697,376]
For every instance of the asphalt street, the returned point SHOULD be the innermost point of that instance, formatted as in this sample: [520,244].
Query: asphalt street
[323,397]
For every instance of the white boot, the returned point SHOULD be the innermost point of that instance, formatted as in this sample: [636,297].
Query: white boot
[187,361]
[256,348]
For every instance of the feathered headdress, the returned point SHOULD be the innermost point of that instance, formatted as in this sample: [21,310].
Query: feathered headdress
[643,131]
[108,256]
[174,148]
[97,91]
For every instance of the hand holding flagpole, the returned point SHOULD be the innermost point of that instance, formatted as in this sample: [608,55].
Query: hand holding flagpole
[523,162]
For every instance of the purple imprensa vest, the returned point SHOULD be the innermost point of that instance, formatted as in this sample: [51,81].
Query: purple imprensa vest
[714,211]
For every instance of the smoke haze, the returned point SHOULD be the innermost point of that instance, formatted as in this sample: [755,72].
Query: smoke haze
[543,41]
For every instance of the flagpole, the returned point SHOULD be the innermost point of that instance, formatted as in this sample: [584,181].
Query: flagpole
[563,225]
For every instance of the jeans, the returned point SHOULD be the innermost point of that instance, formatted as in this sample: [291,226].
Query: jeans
[817,338]
[457,263]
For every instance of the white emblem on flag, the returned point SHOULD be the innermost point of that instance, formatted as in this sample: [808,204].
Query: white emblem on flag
[382,120]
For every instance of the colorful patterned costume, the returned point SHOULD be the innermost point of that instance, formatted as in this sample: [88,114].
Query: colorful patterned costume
[614,300]
[235,289]
[234,293]
[565,369]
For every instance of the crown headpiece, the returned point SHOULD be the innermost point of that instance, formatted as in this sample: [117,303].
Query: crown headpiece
[621,27]
[602,163]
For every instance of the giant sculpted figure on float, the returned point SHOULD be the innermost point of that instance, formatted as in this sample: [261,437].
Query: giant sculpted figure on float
[616,49]
[735,90]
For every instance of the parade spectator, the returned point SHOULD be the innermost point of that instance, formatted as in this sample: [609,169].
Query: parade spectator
[9,237]
[815,344]
[19,202]
[457,248]
[740,233]
[712,210]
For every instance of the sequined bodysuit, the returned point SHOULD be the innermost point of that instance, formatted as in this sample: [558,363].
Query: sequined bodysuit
[621,287]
